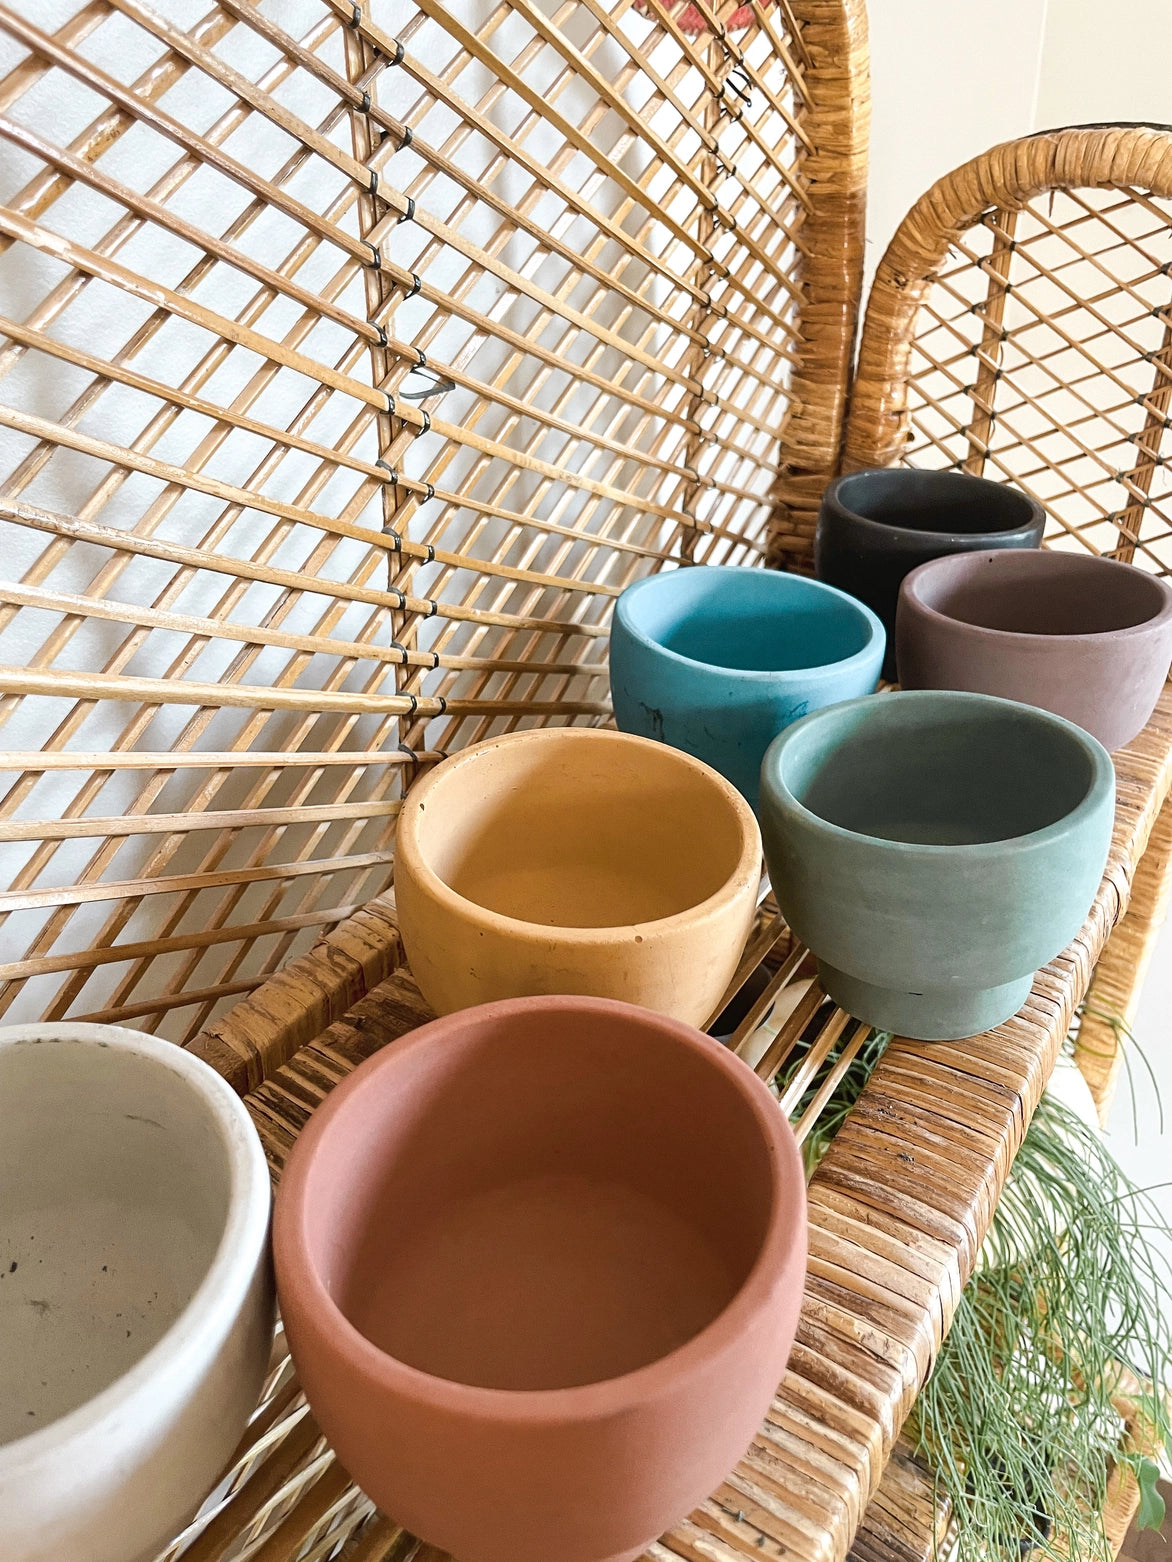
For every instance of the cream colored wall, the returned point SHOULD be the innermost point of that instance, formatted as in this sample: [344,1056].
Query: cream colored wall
[1112,62]
[948,79]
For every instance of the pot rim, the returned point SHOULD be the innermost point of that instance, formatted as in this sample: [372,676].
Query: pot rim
[784,1242]
[1090,563]
[1100,788]
[746,873]
[226,1281]
[843,664]
[914,534]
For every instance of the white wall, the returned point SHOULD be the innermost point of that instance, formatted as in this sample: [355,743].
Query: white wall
[1106,62]
[948,79]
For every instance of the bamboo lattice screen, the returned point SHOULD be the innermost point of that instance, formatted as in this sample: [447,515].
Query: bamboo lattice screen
[354,358]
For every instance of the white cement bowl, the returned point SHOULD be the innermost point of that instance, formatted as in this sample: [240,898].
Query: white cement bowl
[136,1298]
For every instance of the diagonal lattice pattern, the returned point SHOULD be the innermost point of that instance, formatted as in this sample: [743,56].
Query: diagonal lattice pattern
[1044,359]
[353,359]
[1028,337]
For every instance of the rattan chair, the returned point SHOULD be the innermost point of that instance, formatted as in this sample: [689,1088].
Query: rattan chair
[1020,327]
[351,377]
[352,369]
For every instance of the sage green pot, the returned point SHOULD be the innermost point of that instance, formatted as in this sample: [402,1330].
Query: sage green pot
[934,849]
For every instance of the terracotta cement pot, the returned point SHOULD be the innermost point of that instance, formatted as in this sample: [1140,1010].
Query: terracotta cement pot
[1086,637]
[540,1266]
[874,526]
[136,1297]
[933,850]
[717,660]
[569,860]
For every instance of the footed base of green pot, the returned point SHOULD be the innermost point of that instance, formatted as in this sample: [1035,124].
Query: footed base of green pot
[941,1015]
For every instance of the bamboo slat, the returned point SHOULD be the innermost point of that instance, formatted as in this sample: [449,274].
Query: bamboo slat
[904,1521]
[898,1208]
[354,359]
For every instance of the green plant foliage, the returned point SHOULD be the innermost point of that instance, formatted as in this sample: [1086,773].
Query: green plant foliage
[1017,1419]
[1127,1045]
[1151,1504]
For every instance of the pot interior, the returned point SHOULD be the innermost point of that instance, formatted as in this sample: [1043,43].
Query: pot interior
[951,774]
[749,620]
[581,830]
[950,502]
[1042,593]
[114,1186]
[541,1201]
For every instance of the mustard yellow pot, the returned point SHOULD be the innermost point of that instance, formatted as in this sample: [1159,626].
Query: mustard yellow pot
[571,860]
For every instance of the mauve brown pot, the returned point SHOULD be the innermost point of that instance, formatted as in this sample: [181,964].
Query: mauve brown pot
[540,1265]
[1087,638]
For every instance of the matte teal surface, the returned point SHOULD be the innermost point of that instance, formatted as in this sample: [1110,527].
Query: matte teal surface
[934,849]
[717,660]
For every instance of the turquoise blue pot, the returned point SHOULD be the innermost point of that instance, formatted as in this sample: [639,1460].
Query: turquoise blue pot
[934,849]
[717,660]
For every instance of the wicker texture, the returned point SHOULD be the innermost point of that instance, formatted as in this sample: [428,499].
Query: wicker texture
[898,1209]
[300,499]
[360,355]
[1018,327]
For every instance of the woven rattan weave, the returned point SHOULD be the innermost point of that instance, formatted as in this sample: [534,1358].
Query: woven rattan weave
[357,355]
[356,359]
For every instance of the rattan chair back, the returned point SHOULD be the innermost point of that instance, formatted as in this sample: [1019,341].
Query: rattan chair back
[355,357]
[1020,328]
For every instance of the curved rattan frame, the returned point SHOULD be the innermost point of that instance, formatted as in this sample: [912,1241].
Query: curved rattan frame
[1007,177]
[840,116]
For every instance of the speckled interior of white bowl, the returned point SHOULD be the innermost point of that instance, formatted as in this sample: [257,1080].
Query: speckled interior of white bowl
[116,1190]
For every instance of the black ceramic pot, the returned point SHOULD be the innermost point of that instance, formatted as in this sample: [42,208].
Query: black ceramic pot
[874,526]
